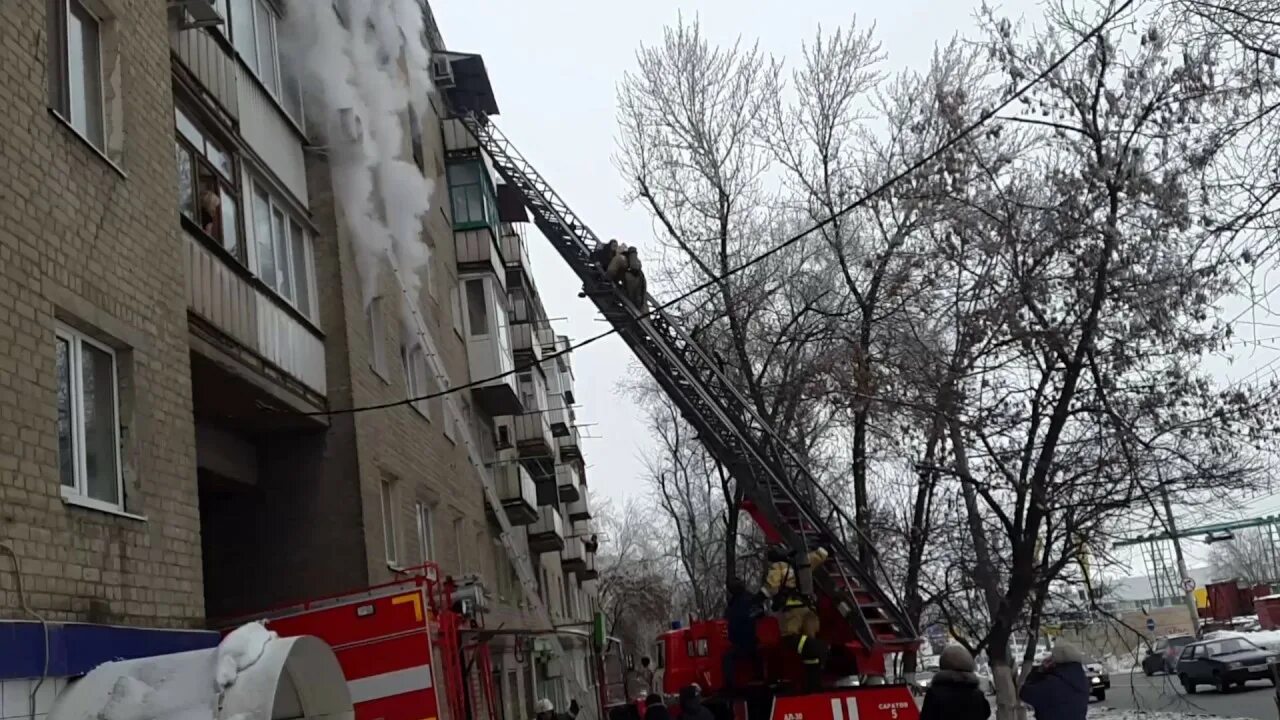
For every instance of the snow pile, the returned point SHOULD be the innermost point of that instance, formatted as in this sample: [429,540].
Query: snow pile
[239,650]
[1103,713]
[356,98]
[184,686]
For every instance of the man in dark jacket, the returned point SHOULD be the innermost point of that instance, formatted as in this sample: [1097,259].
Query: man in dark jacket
[954,693]
[655,708]
[1059,690]
[740,613]
[691,707]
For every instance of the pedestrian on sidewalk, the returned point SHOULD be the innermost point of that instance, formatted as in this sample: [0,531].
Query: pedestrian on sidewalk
[954,692]
[1059,689]
[655,708]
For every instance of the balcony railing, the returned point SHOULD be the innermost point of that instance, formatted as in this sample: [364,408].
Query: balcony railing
[477,250]
[580,509]
[585,530]
[531,436]
[524,342]
[228,298]
[573,558]
[568,482]
[588,573]
[568,446]
[516,489]
[547,534]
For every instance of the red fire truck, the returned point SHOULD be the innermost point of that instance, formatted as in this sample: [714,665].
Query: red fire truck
[399,642]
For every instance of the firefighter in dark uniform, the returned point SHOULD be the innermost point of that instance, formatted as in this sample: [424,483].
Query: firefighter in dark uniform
[797,619]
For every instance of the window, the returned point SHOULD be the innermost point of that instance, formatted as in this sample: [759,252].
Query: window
[458,535]
[455,306]
[253,32]
[470,195]
[426,542]
[88,421]
[415,378]
[207,193]
[446,417]
[415,139]
[388,489]
[283,250]
[377,338]
[477,308]
[75,68]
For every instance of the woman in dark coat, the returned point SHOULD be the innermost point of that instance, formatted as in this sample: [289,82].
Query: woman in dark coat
[1060,689]
[954,693]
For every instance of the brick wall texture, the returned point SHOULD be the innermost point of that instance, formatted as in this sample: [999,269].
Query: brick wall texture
[84,243]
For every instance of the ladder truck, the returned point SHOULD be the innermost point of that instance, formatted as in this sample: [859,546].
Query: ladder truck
[860,622]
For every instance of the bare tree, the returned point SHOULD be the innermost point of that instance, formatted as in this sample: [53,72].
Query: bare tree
[635,582]
[1249,556]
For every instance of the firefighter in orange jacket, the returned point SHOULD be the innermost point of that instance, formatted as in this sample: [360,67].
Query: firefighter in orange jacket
[797,619]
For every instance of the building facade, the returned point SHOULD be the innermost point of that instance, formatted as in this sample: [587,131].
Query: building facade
[192,308]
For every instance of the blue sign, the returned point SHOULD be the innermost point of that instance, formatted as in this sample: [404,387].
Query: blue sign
[1151,624]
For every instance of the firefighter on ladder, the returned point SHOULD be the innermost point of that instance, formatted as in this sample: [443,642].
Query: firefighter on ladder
[797,619]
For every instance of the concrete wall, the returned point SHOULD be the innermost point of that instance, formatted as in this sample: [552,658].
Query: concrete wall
[92,245]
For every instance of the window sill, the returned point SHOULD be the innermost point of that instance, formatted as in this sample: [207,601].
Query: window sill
[89,143]
[98,506]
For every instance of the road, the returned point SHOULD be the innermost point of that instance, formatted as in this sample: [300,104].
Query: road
[1138,692]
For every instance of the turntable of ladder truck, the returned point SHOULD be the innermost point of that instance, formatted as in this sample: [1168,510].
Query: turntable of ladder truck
[780,682]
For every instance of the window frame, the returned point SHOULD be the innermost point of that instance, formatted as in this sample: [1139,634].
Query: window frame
[415,378]
[470,330]
[488,196]
[426,532]
[390,534]
[59,81]
[79,493]
[276,86]
[290,220]
[226,182]
[377,326]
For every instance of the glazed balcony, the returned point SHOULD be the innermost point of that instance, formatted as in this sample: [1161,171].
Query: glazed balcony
[547,534]
[489,352]
[524,343]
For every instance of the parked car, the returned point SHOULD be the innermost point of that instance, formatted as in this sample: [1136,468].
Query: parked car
[1223,663]
[1163,656]
[1099,680]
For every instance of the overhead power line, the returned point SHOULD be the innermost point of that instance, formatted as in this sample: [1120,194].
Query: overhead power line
[956,139]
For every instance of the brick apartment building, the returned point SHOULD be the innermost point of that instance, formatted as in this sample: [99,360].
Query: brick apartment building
[181,308]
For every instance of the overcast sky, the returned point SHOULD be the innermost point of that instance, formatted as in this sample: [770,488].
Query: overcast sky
[555,65]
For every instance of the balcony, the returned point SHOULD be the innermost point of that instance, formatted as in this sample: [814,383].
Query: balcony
[524,343]
[457,138]
[516,489]
[569,447]
[573,558]
[263,331]
[547,534]
[489,346]
[558,414]
[477,251]
[580,509]
[531,437]
[515,251]
[568,482]
[588,573]
[585,530]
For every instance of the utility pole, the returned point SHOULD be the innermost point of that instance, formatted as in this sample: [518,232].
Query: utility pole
[1189,594]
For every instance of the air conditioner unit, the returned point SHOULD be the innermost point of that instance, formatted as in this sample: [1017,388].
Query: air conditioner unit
[442,72]
[193,14]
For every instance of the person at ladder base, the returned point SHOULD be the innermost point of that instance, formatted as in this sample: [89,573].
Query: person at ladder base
[797,619]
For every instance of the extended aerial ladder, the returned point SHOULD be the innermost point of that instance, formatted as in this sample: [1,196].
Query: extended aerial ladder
[779,492]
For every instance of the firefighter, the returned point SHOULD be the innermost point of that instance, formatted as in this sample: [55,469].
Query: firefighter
[691,707]
[740,613]
[797,619]
[604,254]
[617,264]
[633,281]
[544,710]
[645,675]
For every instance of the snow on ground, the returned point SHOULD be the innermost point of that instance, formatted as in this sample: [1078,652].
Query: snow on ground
[1103,713]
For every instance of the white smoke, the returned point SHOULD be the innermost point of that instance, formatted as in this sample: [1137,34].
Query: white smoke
[357,97]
